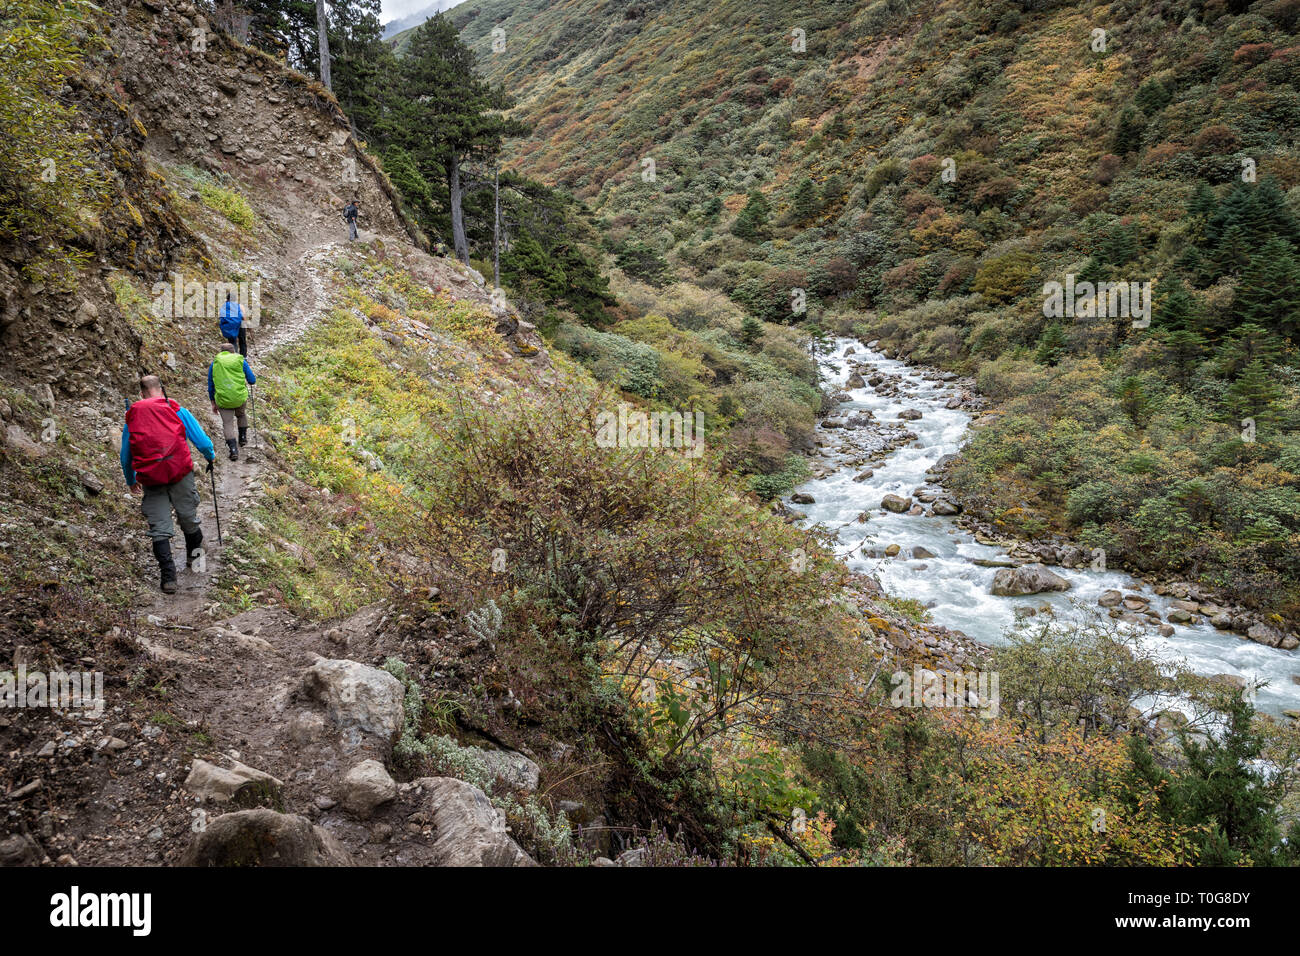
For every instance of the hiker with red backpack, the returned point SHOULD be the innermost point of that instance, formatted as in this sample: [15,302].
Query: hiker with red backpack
[156,463]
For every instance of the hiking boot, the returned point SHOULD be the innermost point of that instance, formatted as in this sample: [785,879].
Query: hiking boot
[162,550]
[243,435]
[192,543]
[234,449]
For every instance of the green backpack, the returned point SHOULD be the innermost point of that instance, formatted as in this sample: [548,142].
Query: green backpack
[228,380]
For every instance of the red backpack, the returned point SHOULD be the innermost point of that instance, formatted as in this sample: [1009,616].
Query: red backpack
[160,453]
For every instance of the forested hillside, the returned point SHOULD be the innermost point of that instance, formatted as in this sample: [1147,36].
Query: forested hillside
[922,170]
[441,617]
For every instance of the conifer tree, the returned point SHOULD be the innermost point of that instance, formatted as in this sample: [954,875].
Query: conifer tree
[751,224]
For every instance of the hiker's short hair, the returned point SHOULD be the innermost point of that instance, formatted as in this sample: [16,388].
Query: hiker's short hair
[150,383]
[226,346]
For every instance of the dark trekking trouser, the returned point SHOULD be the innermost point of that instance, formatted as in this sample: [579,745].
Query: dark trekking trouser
[240,343]
[160,500]
[352,229]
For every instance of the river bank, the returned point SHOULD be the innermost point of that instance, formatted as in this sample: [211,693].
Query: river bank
[878,481]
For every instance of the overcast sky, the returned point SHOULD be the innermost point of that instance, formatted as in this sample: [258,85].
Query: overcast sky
[393,9]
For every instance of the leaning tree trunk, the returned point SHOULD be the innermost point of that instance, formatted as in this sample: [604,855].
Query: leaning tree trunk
[457,215]
[323,37]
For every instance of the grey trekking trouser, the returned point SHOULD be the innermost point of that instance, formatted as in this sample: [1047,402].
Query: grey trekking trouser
[352,228]
[159,500]
[231,416]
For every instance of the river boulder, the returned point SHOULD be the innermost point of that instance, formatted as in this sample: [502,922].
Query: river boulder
[1027,579]
[895,503]
[855,381]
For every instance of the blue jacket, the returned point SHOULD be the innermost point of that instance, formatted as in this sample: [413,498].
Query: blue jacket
[232,317]
[193,431]
[249,377]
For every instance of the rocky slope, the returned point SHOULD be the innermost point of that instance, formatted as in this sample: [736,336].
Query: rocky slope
[204,713]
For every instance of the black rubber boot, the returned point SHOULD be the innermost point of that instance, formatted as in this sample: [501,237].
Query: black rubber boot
[192,543]
[243,435]
[162,550]
[234,449]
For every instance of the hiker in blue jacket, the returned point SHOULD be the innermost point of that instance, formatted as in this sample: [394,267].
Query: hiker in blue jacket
[232,324]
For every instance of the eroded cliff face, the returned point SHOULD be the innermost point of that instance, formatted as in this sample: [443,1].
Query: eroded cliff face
[160,86]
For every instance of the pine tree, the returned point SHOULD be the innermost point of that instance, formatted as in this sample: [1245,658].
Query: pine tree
[1269,292]
[1186,347]
[751,332]
[751,224]
[1152,97]
[1232,253]
[1051,345]
[1116,246]
[1275,212]
[1175,307]
[1246,344]
[1133,400]
[1234,210]
[1128,132]
[805,203]
[1255,394]
[1203,203]
[444,116]
[1223,791]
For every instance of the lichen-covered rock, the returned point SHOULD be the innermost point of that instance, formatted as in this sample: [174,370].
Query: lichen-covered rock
[357,698]
[468,830]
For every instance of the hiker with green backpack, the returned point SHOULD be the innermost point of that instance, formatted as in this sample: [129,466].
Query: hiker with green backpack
[229,376]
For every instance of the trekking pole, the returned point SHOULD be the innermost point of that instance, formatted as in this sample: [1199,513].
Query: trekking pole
[216,509]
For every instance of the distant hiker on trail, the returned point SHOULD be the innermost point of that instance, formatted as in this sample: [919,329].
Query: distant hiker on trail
[350,217]
[232,324]
[156,462]
[228,379]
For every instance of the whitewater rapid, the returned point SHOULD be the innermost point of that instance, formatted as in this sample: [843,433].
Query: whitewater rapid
[956,590]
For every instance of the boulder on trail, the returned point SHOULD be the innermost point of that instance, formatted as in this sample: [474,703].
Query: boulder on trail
[366,787]
[1027,579]
[264,838]
[357,698]
[242,784]
[469,830]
